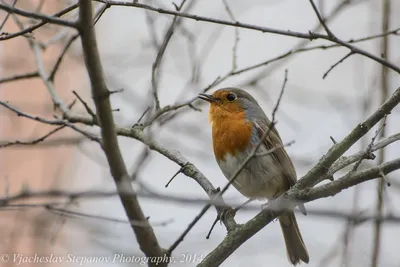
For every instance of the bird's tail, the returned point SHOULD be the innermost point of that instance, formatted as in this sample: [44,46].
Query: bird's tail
[295,247]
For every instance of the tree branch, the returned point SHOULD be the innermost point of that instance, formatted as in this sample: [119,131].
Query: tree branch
[35,15]
[338,149]
[38,25]
[310,35]
[145,235]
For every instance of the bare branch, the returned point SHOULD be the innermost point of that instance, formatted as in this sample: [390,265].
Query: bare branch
[61,57]
[33,142]
[7,202]
[55,122]
[143,157]
[341,147]
[42,17]
[235,45]
[310,35]
[7,16]
[335,65]
[75,214]
[57,101]
[72,39]
[160,55]
[321,20]
[368,151]
[336,11]
[231,73]
[346,161]
[24,76]
[38,25]
[88,109]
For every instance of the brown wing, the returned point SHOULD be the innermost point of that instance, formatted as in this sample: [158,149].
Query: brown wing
[273,140]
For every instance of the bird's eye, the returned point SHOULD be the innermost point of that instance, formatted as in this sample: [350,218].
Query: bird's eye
[230,97]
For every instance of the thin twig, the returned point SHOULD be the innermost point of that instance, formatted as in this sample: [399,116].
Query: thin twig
[40,16]
[368,151]
[181,170]
[140,163]
[72,39]
[104,218]
[221,79]
[321,20]
[50,122]
[336,11]
[27,195]
[57,101]
[159,57]
[309,36]
[7,16]
[235,45]
[88,109]
[32,142]
[61,57]
[383,176]
[18,77]
[270,151]
[38,25]
[143,114]
[337,63]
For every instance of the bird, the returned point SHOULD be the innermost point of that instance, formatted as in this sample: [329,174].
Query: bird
[238,125]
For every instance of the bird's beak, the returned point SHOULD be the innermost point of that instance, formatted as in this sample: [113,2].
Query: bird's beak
[208,98]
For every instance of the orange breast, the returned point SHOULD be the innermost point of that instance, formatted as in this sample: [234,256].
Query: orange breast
[231,132]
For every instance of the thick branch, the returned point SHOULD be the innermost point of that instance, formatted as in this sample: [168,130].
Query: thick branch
[144,235]
[340,148]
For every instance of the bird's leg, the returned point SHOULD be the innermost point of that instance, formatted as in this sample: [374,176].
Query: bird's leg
[244,204]
[265,205]
[228,210]
[270,201]
[224,214]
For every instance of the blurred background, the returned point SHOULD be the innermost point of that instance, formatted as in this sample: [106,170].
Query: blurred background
[313,108]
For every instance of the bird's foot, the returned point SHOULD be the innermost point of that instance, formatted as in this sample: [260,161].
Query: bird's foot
[266,205]
[225,213]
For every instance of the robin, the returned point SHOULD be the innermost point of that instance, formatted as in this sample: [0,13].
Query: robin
[238,125]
